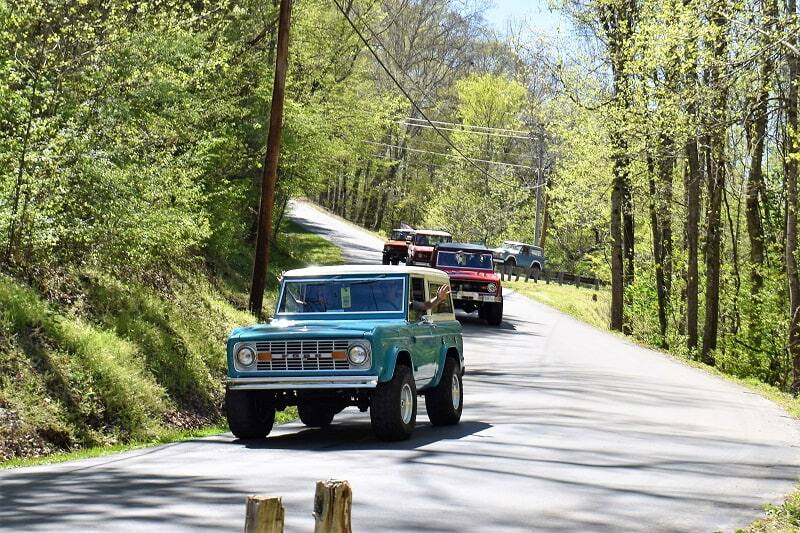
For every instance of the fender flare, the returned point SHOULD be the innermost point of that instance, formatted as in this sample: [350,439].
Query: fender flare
[442,358]
[386,373]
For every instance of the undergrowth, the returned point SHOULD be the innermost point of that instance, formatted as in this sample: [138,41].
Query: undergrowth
[111,362]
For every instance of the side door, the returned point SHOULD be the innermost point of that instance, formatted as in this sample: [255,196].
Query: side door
[423,339]
[525,257]
[442,316]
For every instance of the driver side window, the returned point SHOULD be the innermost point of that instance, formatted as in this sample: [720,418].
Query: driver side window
[417,306]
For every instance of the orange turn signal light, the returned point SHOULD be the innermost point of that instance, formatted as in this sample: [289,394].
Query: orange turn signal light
[341,354]
[264,356]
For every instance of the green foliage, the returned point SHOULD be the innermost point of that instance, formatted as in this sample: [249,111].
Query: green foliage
[124,362]
[479,204]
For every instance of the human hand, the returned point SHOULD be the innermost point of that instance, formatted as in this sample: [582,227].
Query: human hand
[441,294]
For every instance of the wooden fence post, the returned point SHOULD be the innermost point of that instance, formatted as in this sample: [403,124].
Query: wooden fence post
[332,504]
[264,515]
[546,274]
[517,272]
[561,277]
[528,275]
[596,284]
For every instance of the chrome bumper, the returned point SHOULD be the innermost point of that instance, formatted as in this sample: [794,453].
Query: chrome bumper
[466,296]
[310,382]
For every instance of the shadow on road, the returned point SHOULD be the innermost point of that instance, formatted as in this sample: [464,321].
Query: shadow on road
[357,435]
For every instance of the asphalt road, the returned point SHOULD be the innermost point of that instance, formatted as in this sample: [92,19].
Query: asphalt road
[565,428]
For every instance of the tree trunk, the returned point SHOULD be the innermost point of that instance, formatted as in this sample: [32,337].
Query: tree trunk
[617,281]
[716,182]
[658,251]
[791,208]
[756,131]
[618,20]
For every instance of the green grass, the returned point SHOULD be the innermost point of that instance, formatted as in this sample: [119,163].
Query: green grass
[588,305]
[124,365]
[594,307]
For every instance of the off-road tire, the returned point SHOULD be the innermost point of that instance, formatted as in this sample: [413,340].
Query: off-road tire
[510,262]
[493,313]
[386,259]
[250,414]
[385,408]
[439,401]
[536,271]
[395,261]
[315,415]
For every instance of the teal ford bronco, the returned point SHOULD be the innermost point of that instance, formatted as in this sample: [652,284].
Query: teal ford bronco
[373,337]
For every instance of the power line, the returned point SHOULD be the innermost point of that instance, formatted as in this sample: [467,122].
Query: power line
[489,133]
[482,150]
[403,90]
[527,134]
[472,160]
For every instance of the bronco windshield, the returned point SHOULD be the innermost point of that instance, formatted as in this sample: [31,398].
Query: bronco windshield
[460,259]
[343,295]
[401,235]
[430,240]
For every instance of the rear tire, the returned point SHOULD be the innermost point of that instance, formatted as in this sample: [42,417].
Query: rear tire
[493,313]
[385,260]
[315,415]
[445,402]
[395,261]
[393,410]
[536,271]
[250,414]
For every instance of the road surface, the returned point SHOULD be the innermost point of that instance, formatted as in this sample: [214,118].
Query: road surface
[565,428]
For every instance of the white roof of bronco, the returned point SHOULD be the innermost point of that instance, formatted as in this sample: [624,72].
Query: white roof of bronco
[340,270]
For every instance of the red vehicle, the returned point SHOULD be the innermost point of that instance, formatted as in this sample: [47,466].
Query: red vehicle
[474,283]
[395,249]
[420,249]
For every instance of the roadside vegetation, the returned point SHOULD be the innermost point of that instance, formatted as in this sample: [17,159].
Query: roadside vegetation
[106,362]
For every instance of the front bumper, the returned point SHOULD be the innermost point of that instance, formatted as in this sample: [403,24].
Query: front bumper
[309,382]
[467,296]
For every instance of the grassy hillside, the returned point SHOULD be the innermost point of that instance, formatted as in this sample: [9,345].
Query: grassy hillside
[107,361]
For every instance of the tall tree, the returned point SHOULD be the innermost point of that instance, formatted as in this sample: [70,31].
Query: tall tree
[716,169]
[791,166]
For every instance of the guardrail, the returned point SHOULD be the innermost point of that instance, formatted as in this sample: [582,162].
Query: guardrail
[507,272]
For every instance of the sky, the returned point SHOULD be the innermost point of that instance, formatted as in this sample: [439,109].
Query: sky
[536,12]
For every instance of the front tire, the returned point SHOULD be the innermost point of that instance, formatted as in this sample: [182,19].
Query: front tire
[494,313]
[315,415]
[393,411]
[250,415]
[445,402]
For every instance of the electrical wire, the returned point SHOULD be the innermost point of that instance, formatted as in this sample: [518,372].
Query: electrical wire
[526,134]
[488,133]
[450,155]
[405,93]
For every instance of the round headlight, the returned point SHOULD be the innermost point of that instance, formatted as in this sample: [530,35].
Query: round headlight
[491,287]
[357,354]
[246,356]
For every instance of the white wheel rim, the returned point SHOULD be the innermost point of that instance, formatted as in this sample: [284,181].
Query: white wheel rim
[406,403]
[455,391]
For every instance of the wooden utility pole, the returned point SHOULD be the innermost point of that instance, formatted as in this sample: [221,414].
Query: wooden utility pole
[270,174]
[537,237]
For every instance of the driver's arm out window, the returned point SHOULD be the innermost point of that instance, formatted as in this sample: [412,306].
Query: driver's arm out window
[415,312]
[442,307]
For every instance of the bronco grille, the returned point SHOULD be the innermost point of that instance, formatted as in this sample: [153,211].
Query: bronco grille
[303,355]
[467,286]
